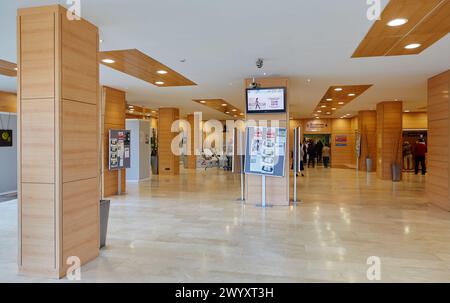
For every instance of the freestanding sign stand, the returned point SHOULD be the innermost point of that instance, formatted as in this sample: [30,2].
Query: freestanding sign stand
[119,153]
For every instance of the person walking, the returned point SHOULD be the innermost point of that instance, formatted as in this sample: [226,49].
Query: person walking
[420,152]
[326,155]
[319,148]
[302,159]
[312,154]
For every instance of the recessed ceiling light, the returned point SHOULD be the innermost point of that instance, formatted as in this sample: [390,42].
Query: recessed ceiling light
[162,72]
[334,108]
[108,61]
[227,112]
[241,114]
[131,106]
[328,113]
[397,22]
[351,95]
[413,46]
[319,111]
[235,116]
[15,68]
[340,103]
[323,106]
[153,111]
[329,99]
[224,104]
[203,102]
[159,83]
[234,110]
[407,111]
[101,40]
[338,89]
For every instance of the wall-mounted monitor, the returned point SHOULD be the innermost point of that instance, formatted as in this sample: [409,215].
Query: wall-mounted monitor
[266,100]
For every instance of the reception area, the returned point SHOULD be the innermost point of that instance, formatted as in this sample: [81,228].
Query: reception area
[312,147]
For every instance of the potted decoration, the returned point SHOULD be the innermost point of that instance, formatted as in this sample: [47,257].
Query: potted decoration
[154,152]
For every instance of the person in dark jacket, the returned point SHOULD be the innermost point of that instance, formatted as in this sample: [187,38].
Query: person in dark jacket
[319,148]
[312,154]
[420,151]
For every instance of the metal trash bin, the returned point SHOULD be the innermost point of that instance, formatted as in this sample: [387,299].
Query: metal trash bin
[104,214]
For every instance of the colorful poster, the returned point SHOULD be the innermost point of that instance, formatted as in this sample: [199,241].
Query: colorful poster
[341,140]
[266,149]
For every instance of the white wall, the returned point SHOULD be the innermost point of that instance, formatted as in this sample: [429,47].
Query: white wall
[140,149]
[8,157]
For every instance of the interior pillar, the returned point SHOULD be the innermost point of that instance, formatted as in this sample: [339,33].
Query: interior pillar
[169,163]
[192,158]
[389,137]
[58,110]
[114,104]
[438,179]
[367,127]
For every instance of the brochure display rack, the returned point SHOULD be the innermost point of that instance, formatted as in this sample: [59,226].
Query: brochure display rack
[119,152]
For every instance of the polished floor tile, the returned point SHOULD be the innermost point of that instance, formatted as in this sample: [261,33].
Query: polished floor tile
[191,228]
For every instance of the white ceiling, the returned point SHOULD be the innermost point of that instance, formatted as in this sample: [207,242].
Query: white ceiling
[221,40]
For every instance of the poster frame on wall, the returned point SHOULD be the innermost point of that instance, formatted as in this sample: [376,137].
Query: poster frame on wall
[119,149]
[279,165]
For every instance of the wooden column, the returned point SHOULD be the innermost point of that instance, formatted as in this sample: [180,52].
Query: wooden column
[342,155]
[277,189]
[114,104]
[58,93]
[192,158]
[169,164]
[367,127]
[438,179]
[389,137]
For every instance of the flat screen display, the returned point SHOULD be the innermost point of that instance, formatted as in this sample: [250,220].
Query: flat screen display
[266,100]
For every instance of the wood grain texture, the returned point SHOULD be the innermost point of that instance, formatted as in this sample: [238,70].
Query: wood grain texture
[367,127]
[277,189]
[192,158]
[59,138]
[342,156]
[334,100]
[113,118]
[169,164]
[137,64]
[416,120]
[8,102]
[389,137]
[428,22]
[79,142]
[8,69]
[81,220]
[438,179]
[218,104]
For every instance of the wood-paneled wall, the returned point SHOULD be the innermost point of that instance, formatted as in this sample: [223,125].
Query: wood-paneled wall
[114,104]
[8,102]
[367,127]
[438,178]
[343,156]
[389,137]
[277,189]
[58,114]
[169,164]
[415,120]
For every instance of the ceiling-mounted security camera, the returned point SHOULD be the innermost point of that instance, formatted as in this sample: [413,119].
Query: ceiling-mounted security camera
[254,84]
[259,63]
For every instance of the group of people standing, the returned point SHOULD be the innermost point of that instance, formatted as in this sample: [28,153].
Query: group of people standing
[417,153]
[315,152]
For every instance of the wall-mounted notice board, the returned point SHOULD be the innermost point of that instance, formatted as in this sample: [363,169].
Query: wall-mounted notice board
[119,149]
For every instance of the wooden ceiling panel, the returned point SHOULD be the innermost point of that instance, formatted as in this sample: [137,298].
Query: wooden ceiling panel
[139,112]
[139,65]
[221,106]
[8,68]
[335,99]
[384,40]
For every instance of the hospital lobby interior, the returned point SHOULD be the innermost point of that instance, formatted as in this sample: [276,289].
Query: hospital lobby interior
[292,141]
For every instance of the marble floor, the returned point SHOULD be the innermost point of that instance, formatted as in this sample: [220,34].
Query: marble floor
[191,229]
